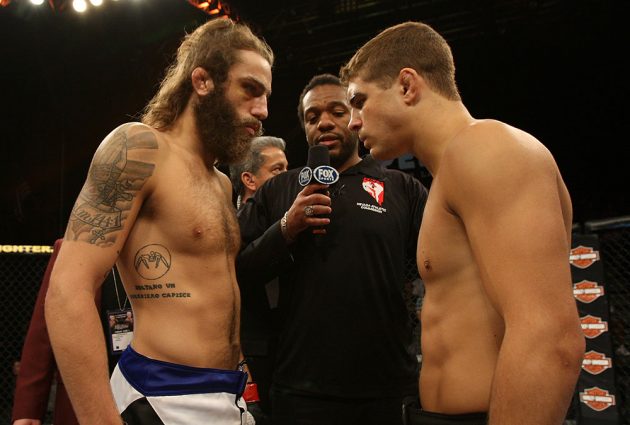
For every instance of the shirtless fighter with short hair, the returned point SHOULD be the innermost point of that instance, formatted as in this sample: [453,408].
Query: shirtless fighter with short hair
[154,204]
[500,330]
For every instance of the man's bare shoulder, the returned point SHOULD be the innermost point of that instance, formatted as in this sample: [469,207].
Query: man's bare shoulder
[493,148]
[133,134]
[226,184]
[490,161]
[119,179]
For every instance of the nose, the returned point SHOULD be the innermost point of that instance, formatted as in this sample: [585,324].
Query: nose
[259,109]
[325,122]
[355,123]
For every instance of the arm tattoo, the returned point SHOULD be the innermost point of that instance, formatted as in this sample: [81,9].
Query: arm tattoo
[112,184]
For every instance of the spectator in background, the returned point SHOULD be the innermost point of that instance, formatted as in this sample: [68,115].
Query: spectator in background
[264,160]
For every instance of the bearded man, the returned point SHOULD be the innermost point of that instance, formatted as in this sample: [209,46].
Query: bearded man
[154,204]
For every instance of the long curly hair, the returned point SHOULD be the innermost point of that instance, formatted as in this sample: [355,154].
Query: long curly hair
[213,46]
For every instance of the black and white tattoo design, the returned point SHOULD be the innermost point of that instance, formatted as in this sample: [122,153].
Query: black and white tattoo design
[152,261]
[112,184]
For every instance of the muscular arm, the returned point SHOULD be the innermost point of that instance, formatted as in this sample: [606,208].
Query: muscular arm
[97,229]
[504,187]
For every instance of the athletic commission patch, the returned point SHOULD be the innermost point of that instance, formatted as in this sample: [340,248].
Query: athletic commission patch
[375,188]
[595,363]
[587,291]
[583,256]
[597,399]
[593,326]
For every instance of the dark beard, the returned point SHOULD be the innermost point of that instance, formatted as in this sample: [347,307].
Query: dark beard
[346,150]
[223,136]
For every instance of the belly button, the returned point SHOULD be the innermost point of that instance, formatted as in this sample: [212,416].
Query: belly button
[197,233]
[427,265]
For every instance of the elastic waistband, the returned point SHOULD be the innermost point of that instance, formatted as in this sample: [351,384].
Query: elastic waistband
[159,378]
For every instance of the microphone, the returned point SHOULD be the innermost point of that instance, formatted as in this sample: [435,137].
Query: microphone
[318,155]
[318,170]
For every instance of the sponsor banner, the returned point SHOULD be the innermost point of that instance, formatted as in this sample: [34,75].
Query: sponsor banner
[26,249]
[595,391]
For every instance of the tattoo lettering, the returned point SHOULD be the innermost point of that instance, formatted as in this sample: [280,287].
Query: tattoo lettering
[162,295]
[153,295]
[152,261]
[112,184]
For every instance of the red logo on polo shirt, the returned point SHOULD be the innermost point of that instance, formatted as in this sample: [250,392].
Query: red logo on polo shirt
[597,399]
[593,326]
[583,256]
[587,291]
[375,188]
[595,363]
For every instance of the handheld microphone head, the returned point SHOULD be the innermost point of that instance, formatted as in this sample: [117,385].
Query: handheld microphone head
[318,155]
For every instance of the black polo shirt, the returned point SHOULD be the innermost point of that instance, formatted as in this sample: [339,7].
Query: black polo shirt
[346,329]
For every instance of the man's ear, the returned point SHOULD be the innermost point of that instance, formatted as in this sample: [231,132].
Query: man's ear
[249,180]
[411,85]
[201,81]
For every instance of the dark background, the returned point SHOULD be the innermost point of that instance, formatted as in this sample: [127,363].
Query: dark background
[551,67]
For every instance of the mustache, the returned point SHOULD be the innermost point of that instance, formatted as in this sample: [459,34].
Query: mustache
[328,136]
[253,123]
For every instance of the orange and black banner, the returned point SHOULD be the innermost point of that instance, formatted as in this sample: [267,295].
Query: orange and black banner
[596,391]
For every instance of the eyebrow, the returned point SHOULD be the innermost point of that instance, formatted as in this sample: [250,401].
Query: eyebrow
[331,104]
[257,82]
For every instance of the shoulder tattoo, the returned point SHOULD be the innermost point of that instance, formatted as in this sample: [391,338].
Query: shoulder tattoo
[113,182]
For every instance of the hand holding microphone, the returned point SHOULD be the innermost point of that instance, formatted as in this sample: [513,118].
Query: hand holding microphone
[312,204]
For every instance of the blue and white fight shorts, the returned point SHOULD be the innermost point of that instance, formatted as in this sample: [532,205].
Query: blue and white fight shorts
[152,392]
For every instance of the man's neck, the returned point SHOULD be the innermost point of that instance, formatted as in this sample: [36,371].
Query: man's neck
[248,194]
[351,162]
[184,133]
[431,140]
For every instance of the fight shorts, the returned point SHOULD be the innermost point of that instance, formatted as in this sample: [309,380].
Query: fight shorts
[152,392]
[413,415]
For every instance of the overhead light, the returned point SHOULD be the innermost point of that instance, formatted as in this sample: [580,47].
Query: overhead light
[79,5]
[96,3]
[37,2]
[216,8]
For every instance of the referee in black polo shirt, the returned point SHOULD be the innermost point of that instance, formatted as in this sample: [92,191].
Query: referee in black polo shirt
[346,351]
